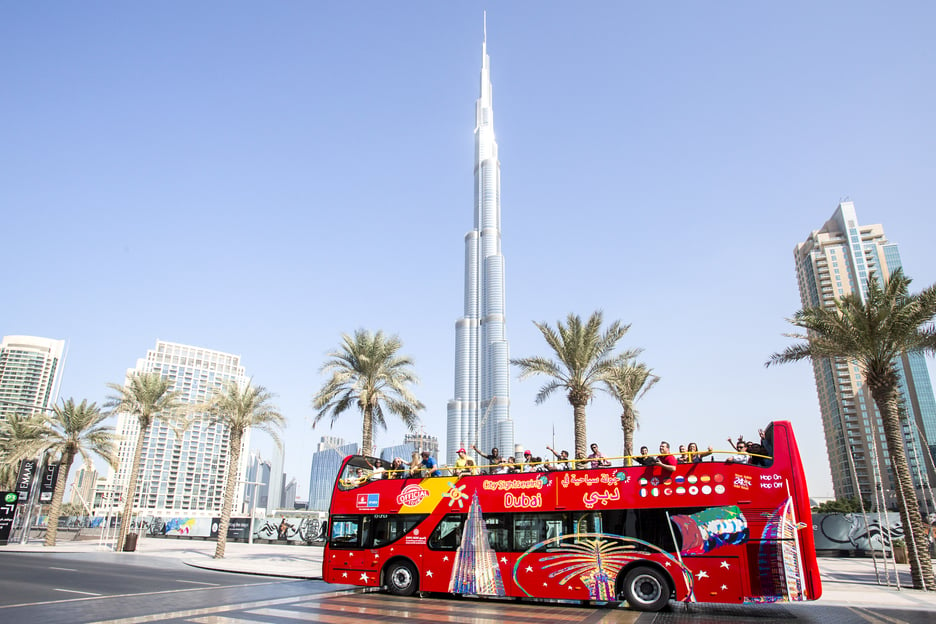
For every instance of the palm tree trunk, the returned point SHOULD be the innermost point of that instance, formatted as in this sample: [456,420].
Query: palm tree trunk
[921,568]
[367,437]
[55,509]
[627,424]
[581,438]
[130,494]
[234,449]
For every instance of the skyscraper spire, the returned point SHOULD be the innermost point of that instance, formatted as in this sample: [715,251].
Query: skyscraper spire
[479,413]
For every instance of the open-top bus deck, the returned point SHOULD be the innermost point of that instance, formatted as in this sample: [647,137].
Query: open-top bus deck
[711,531]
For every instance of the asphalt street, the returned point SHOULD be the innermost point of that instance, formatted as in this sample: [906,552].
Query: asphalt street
[88,587]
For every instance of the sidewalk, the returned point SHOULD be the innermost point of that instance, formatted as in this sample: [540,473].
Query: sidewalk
[852,582]
[845,581]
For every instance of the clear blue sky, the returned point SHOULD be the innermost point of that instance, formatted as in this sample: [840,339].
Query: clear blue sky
[259,178]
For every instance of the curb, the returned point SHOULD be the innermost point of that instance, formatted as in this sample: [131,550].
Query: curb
[206,566]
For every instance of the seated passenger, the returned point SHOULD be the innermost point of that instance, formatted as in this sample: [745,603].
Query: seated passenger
[759,455]
[563,462]
[644,458]
[397,469]
[695,455]
[683,458]
[740,458]
[464,465]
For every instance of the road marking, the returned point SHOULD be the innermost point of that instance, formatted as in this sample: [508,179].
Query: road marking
[863,614]
[197,582]
[66,569]
[156,593]
[75,591]
[213,610]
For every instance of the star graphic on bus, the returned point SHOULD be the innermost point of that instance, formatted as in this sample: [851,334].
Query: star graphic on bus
[456,495]
[364,577]
[701,575]
[725,565]
[429,573]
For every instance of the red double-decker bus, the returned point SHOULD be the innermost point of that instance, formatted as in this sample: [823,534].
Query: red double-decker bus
[712,531]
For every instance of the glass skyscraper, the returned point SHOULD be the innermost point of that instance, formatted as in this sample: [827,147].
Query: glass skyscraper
[834,261]
[182,474]
[479,413]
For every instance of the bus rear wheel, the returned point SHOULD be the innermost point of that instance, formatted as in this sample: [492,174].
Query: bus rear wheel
[646,589]
[401,578]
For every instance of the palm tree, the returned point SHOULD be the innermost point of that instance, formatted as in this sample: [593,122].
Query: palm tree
[146,396]
[74,429]
[584,358]
[368,373]
[875,331]
[20,436]
[238,410]
[628,383]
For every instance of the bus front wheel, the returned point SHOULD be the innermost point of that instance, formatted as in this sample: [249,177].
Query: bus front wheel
[646,589]
[401,578]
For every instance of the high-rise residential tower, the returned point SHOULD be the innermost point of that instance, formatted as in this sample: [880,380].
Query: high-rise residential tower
[479,413]
[834,261]
[183,473]
[30,373]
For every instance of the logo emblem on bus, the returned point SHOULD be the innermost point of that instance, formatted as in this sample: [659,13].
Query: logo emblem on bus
[411,495]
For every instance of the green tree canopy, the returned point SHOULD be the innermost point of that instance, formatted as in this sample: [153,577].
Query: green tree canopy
[369,374]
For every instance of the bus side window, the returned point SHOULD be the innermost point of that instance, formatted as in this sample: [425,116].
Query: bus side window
[346,531]
[392,528]
[448,533]
[531,528]
[498,532]
[587,522]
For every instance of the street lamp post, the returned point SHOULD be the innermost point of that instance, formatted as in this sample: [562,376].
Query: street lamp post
[253,507]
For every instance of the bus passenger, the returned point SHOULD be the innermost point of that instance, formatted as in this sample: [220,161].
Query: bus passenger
[598,460]
[493,459]
[563,457]
[464,465]
[397,469]
[740,458]
[666,461]
[429,466]
[644,458]
[527,464]
[697,455]
[683,458]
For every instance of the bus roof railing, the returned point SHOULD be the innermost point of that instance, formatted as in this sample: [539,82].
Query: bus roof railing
[627,461]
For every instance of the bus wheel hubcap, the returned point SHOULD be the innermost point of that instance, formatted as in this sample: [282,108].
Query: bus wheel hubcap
[402,578]
[646,588]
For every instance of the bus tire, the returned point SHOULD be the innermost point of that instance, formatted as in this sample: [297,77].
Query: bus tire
[646,589]
[401,578]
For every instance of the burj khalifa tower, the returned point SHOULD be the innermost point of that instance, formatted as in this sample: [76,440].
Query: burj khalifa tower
[480,411]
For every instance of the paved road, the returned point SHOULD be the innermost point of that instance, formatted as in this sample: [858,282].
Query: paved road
[88,587]
[355,608]
[78,588]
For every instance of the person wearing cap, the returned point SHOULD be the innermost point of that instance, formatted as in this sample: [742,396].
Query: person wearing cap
[430,467]
[527,465]
[464,465]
